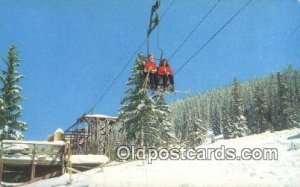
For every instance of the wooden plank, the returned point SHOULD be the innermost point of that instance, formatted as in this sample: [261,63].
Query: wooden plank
[32,176]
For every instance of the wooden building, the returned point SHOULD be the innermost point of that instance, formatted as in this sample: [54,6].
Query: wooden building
[91,134]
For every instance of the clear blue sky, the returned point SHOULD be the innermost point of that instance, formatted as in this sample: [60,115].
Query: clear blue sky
[71,50]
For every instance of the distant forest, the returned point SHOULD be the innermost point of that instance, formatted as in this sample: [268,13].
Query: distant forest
[269,103]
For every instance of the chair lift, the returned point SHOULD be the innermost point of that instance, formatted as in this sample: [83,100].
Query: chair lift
[153,23]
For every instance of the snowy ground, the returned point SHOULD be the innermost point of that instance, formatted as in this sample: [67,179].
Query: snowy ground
[186,173]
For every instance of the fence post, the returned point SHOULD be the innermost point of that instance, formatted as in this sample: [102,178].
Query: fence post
[1,162]
[33,164]
[69,164]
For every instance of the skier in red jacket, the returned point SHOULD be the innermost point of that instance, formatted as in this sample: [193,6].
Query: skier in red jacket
[150,69]
[166,73]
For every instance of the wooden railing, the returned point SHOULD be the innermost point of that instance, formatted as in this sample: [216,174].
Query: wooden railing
[32,154]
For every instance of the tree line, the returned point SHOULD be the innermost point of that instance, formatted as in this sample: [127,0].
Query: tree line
[269,103]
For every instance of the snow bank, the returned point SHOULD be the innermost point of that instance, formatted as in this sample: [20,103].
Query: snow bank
[89,159]
[236,173]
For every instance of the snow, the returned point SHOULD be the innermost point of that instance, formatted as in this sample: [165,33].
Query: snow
[89,159]
[16,150]
[99,116]
[15,147]
[282,172]
[58,131]
[19,156]
[55,143]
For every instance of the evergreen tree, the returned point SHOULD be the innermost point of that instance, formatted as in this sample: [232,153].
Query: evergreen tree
[296,102]
[228,127]
[293,82]
[287,116]
[186,121]
[138,111]
[2,119]
[273,102]
[239,120]
[215,121]
[197,133]
[165,127]
[280,93]
[260,112]
[11,127]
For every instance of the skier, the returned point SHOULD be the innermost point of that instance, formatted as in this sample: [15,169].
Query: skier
[150,70]
[166,73]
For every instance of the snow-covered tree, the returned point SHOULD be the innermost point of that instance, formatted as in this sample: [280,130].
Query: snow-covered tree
[2,118]
[185,123]
[167,135]
[215,120]
[11,127]
[228,126]
[197,133]
[138,112]
[215,106]
[287,116]
[239,120]
[260,122]
[296,94]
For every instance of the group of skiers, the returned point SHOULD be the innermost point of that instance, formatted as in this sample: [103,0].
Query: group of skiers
[153,72]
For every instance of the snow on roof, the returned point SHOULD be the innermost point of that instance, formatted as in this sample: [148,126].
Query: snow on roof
[19,156]
[33,142]
[15,146]
[99,116]
[89,159]
[59,130]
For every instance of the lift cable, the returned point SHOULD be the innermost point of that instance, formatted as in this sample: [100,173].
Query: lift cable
[213,36]
[194,29]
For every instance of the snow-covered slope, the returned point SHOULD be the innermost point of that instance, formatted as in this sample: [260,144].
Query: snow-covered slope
[282,172]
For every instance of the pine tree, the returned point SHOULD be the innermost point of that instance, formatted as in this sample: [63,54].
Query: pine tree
[260,112]
[215,121]
[280,93]
[186,121]
[239,120]
[167,135]
[293,80]
[10,127]
[273,100]
[138,111]
[287,115]
[296,102]
[197,133]
[228,127]
[2,118]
